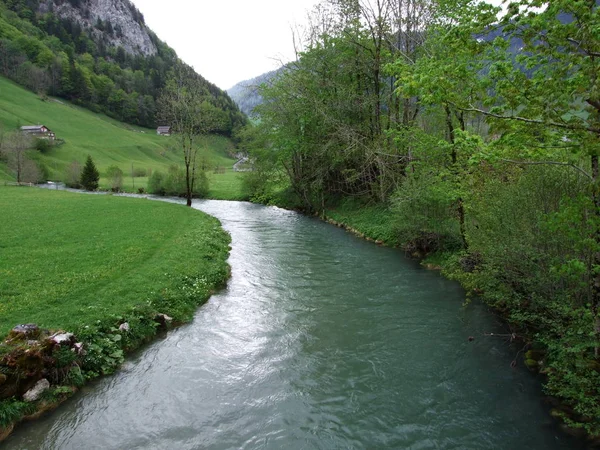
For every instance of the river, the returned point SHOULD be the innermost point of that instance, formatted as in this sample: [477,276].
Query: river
[320,341]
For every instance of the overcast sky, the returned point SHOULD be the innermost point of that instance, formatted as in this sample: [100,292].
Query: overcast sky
[227,41]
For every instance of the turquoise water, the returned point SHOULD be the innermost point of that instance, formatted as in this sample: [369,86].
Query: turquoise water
[320,341]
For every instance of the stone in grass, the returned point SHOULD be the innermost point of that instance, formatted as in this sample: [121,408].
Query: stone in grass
[163,320]
[62,338]
[124,327]
[36,392]
[26,331]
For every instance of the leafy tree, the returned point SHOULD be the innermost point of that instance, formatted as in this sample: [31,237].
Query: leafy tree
[90,175]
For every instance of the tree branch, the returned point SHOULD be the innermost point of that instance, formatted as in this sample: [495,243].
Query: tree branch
[552,163]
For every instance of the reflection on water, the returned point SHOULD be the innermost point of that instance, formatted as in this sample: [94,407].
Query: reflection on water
[320,340]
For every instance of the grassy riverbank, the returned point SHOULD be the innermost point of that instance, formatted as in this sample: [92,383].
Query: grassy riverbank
[107,269]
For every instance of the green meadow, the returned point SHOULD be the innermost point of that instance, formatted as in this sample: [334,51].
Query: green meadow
[71,259]
[109,142]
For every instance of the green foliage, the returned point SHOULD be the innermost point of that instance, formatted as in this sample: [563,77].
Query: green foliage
[89,175]
[12,410]
[115,175]
[43,145]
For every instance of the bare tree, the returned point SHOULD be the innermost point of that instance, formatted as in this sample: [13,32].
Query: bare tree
[14,150]
[184,105]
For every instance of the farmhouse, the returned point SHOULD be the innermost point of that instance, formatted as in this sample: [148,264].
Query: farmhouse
[38,131]
[163,131]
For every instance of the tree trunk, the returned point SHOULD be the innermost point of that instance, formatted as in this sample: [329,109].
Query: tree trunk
[460,207]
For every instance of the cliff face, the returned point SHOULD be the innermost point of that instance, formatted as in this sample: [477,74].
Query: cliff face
[121,24]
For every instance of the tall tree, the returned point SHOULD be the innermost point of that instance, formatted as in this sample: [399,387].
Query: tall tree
[90,175]
[184,105]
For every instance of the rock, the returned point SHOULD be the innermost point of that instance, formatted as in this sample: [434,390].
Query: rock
[163,320]
[26,331]
[124,327]
[62,338]
[36,392]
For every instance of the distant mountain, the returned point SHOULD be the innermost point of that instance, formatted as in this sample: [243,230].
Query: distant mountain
[245,94]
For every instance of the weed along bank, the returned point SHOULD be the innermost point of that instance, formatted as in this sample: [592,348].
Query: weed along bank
[86,279]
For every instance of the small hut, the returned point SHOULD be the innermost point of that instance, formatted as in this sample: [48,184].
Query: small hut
[163,131]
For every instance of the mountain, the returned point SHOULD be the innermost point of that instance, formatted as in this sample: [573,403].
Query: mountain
[245,94]
[96,53]
[101,16]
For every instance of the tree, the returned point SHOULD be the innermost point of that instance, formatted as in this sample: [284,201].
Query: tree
[184,104]
[14,150]
[90,175]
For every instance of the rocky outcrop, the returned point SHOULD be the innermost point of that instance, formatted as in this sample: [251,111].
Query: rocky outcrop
[127,24]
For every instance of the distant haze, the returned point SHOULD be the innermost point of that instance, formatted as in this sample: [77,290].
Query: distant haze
[230,41]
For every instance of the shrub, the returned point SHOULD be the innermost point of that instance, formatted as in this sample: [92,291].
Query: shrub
[115,175]
[139,172]
[43,145]
[155,183]
[73,175]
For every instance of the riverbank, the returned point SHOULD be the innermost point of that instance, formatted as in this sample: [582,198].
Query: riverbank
[579,413]
[98,276]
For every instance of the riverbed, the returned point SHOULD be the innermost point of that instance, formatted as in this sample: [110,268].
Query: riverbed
[320,341]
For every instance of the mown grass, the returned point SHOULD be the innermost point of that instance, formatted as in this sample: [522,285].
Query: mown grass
[107,141]
[70,259]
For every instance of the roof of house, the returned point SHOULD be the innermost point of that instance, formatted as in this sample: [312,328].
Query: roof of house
[164,128]
[34,128]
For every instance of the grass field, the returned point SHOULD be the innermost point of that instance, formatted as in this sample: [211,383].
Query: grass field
[108,141]
[71,259]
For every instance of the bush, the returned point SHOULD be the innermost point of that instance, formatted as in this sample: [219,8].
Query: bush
[115,175]
[155,183]
[73,175]
[139,172]
[43,145]
[425,210]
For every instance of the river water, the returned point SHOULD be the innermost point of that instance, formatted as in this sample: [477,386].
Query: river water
[320,341]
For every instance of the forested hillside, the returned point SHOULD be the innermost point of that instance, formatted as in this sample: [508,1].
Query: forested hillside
[96,53]
[472,135]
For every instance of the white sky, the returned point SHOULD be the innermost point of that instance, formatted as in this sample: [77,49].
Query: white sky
[227,41]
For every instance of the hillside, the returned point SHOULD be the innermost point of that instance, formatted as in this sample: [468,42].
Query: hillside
[245,94]
[96,53]
[108,141]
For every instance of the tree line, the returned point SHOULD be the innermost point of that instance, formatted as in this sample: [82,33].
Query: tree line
[478,129]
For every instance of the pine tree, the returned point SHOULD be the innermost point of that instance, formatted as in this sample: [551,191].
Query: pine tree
[90,175]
